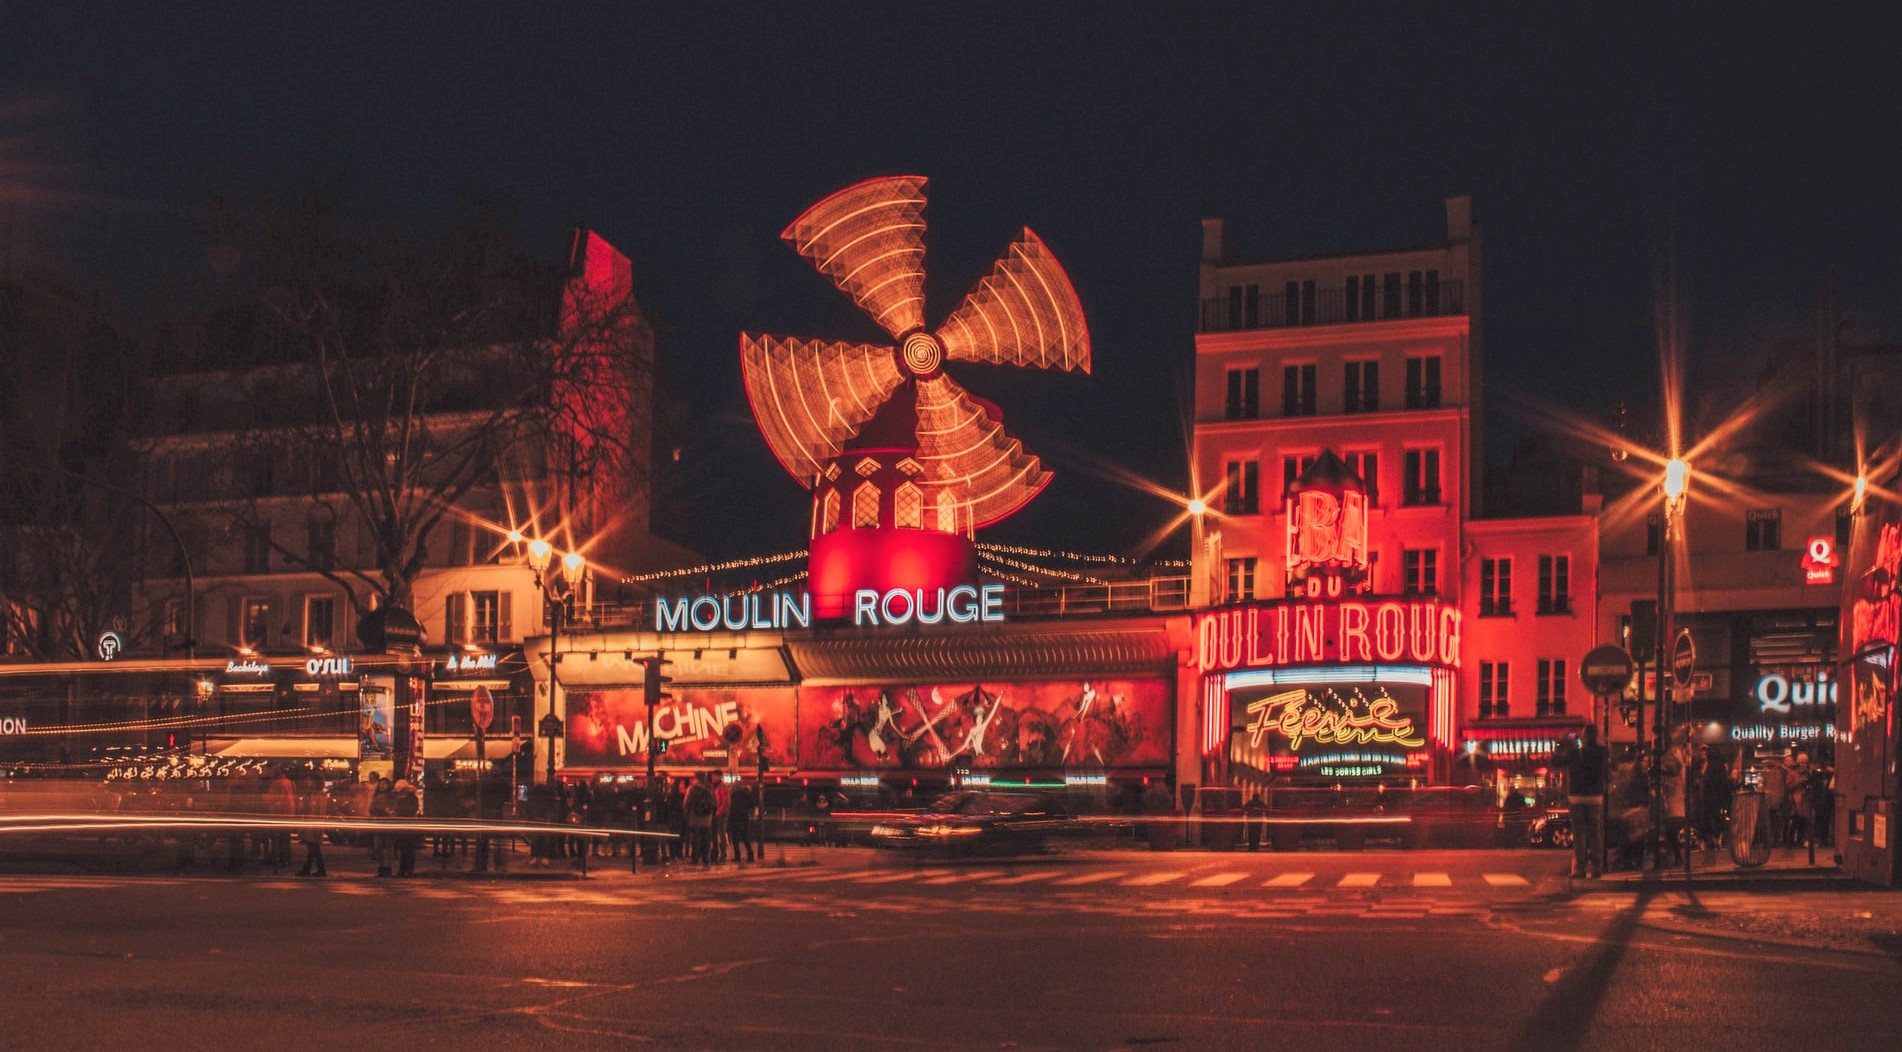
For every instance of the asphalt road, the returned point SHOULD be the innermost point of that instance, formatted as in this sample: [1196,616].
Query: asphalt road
[1374,950]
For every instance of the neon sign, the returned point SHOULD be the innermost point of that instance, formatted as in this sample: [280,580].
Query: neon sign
[1776,693]
[1301,633]
[965,604]
[248,667]
[12,725]
[327,666]
[1820,561]
[1301,717]
[1327,531]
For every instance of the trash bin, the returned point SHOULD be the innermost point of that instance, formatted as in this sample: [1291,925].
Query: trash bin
[1749,829]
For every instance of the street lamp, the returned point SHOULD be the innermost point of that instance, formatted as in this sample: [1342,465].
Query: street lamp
[1677,479]
[555,596]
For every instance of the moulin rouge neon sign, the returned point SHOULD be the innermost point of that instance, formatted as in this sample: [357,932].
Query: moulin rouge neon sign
[1351,630]
[1300,717]
[962,605]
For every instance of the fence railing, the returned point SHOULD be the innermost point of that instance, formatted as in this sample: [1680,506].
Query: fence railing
[1330,307]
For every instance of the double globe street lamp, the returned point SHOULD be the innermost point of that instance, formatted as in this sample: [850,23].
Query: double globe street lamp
[557,591]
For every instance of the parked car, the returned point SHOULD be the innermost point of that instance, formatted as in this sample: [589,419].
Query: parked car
[979,822]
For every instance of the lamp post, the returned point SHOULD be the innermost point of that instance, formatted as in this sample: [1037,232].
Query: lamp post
[1677,477]
[555,596]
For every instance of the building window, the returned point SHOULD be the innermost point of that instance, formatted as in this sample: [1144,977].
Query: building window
[1251,307]
[1422,567]
[1495,587]
[1551,687]
[1423,381]
[1555,584]
[455,618]
[1367,295]
[1653,533]
[485,617]
[1422,484]
[1241,580]
[1367,466]
[1243,493]
[1297,390]
[1763,530]
[257,548]
[321,539]
[1494,698]
[1390,294]
[254,622]
[320,621]
[1352,298]
[1292,468]
[865,506]
[908,507]
[1244,394]
[1363,387]
[1433,292]
[829,517]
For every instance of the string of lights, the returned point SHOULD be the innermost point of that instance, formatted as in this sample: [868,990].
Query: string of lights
[768,586]
[712,568]
[1067,575]
[1004,575]
[1074,557]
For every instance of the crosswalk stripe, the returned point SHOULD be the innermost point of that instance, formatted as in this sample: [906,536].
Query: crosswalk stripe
[1359,880]
[1219,880]
[1288,880]
[1432,880]
[823,878]
[958,878]
[1025,878]
[1505,880]
[1090,878]
[1149,880]
[892,878]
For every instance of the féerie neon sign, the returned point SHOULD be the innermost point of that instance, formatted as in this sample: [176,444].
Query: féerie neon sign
[1300,717]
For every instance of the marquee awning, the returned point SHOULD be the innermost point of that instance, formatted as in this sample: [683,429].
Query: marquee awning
[1019,652]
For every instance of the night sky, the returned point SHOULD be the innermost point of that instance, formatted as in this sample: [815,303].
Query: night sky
[1755,150]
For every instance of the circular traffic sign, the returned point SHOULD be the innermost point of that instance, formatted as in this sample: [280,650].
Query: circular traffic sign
[1683,659]
[482,708]
[1606,670]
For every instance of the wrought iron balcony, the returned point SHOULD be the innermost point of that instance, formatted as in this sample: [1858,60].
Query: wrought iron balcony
[1330,307]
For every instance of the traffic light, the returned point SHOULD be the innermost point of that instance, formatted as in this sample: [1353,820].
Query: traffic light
[653,680]
[660,746]
[1643,643]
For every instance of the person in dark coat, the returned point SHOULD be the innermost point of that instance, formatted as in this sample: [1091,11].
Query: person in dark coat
[1255,816]
[1585,786]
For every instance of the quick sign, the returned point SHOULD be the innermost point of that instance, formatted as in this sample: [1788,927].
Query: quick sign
[1820,561]
[1778,695]
[1300,633]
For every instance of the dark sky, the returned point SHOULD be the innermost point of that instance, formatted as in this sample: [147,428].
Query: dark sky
[1756,149]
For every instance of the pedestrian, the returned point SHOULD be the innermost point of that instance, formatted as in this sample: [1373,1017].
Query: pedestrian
[676,818]
[1254,816]
[1585,782]
[280,804]
[382,845]
[722,813]
[405,807]
[312,835]
[1776,798]
[699,808]
[740,821]
[1673,775]
[1716,801]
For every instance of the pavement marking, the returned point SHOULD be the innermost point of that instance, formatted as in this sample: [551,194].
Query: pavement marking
[1219,880]
[1090,878]
[1359,880]
[1432,880]
[958,878]
[1288,880]
[1025,878]
[1506,880]
[1150,880]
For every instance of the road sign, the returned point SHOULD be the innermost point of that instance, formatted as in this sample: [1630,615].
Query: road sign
[1683,659]
[482,708]
[1605,670]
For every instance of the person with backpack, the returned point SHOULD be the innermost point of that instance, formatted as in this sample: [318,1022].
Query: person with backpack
[700,806]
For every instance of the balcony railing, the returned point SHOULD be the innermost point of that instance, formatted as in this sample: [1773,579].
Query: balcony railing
[1330,307]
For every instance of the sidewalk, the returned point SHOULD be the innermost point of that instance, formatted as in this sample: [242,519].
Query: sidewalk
[1789,869]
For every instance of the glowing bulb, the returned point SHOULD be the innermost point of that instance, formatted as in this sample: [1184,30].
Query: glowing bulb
[1196,506]
[1677,477]
[538,554]
[1862,490]
[515,536]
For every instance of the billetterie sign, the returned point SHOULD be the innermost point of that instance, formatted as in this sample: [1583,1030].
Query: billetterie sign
[962,605]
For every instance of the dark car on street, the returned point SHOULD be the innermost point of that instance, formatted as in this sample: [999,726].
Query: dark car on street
[978,822]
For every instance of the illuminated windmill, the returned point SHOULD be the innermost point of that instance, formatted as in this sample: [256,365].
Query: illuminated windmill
[904,463]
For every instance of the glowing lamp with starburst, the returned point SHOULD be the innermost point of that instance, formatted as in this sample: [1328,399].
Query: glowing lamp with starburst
[905,464]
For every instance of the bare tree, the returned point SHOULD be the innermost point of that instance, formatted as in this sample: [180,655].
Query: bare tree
[398,381]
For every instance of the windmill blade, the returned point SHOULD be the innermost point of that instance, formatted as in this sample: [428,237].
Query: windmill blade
[870,240]
[1025,312]
[964,448]
[809,396]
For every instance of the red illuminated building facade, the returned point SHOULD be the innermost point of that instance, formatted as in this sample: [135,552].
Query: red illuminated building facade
[1364,620]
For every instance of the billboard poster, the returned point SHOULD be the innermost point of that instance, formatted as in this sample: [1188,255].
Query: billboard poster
[1328,731]
[986,725]
[376,702]
[703,726]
